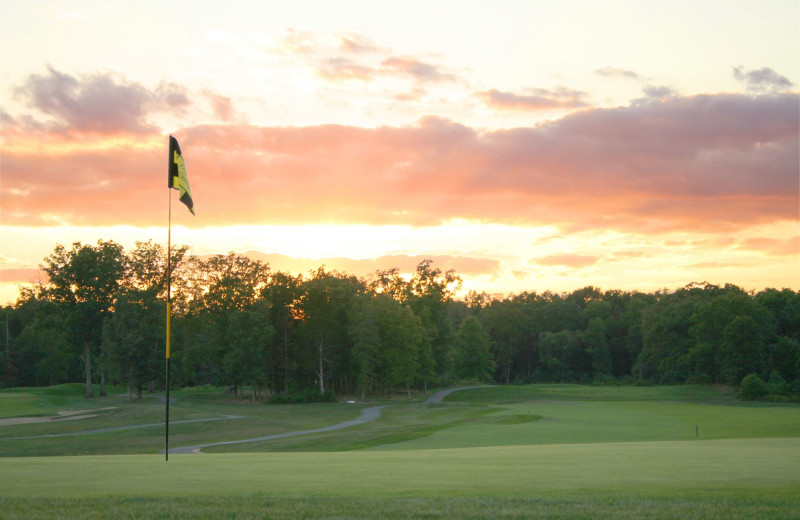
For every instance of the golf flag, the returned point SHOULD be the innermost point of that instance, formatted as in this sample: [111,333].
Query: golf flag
[177,174]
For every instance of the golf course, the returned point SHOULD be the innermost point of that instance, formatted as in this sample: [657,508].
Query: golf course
[533,451]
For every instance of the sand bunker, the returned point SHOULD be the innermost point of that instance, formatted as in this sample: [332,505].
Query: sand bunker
[66,415]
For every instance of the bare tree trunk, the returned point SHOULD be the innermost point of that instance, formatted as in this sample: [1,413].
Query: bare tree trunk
[408,390]
[130,383]
[87,359]
[321,373]
[102,380]
[139,391]
[286,358]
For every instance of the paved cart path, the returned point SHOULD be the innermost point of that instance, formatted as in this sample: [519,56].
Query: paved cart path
[440,395]
[367,415]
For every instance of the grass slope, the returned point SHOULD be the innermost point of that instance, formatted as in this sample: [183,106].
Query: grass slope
[544,451]
[757,477]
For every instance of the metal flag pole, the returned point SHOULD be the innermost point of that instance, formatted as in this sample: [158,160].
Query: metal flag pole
[169,312]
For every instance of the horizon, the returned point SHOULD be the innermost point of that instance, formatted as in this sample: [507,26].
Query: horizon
[538,147]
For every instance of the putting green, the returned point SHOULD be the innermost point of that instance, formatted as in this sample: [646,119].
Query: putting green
[741,466]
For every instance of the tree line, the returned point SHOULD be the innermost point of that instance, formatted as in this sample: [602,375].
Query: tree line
[100,315]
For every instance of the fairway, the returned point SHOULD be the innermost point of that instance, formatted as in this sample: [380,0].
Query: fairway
[547,451]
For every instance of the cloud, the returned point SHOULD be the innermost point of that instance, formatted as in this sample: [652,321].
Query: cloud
[533,99]
[713,265]
[574,261]
[223,109]
[463,265]
[298,42]
[772,246]
[419,70]
[658,92]
[710,162]
[762,80]
[357,44]
[101,103]
[340,68]
[614,72]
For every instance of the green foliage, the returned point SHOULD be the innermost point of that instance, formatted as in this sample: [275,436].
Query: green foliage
[753,388]
[304,396]
[236,323]
[473,356]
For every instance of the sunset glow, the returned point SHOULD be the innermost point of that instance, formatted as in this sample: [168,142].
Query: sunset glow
[531,147]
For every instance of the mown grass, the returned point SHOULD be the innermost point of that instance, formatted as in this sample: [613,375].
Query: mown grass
[721,479]
[461,508]
[544,451]
[258,420]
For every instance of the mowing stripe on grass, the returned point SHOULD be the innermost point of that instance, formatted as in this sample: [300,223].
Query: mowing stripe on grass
[367,415]
[116,428]
[741,467]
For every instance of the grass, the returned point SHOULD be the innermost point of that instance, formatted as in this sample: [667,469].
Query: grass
[466,508]
[258,420]
[598,477]
[544,451]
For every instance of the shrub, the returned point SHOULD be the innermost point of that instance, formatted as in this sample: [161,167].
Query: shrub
[753,388]
[303,396]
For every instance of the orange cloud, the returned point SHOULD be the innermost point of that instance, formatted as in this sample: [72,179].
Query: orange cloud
[702,162]
[468,266]
[772,246]
[574,261]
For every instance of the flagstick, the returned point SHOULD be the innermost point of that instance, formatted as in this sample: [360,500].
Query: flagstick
[169,312]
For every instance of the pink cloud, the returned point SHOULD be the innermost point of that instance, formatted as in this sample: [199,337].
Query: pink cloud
[685,163]
[533,99]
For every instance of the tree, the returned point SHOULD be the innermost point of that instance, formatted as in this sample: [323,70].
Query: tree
[594,339]
[473,353]
[741,350]
[132,337]
[44,346]
[84,282]
[325,300]
[554,352]
[709,325]
[365,333]
[282,292]
[428,293]
[506,324]
[666,340]
[246,348]
[401,339]
[217,289]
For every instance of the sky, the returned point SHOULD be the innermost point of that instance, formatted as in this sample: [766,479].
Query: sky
[528,145]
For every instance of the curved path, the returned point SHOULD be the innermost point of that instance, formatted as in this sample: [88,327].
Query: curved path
[367,415]
[440,395]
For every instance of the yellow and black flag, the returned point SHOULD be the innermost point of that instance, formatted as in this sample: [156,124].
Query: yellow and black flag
[177,174]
